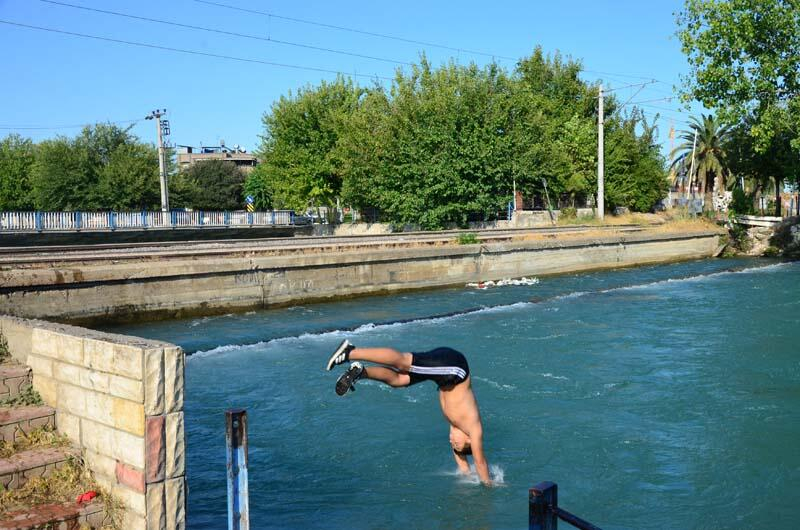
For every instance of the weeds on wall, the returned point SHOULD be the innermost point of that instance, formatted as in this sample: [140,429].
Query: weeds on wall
[5,354]
[467,239]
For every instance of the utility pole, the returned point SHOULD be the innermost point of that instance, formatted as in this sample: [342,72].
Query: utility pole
[600,161]
[163,130]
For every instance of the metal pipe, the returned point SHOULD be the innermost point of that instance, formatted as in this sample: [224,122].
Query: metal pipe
[236,441]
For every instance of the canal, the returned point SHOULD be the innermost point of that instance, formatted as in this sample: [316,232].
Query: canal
[656,397]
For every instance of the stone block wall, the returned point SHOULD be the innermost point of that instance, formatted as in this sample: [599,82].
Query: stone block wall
[120,400]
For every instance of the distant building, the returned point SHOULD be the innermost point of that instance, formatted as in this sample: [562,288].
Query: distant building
[188,155]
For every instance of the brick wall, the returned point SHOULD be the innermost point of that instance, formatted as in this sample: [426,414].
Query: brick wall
[120,400]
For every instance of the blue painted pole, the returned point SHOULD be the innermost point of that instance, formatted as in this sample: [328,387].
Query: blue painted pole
[236,441]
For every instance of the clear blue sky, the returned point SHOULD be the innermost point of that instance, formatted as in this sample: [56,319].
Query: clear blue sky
[54,80]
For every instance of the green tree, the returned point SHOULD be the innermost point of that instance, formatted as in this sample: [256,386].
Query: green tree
[635,170]
[745,60]
[710,160]
[443,145]
[103,167]
[762,170]
[130,179]
[217,185]
[297,148]
[17,155]
[259,186]
[745,63]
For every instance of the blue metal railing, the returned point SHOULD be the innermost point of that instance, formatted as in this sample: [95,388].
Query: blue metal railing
[144,220]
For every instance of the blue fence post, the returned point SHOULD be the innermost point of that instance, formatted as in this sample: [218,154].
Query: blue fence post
[112,221]
[144,218]
[291,217]
[173,218]
[273,217]
[38,221]
[78,220]
[236,441]
[250,218]
[226,216]
[508,213]
[200,217]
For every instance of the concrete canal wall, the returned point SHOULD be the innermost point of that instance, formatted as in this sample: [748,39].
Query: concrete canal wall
[175,286]
[120,401]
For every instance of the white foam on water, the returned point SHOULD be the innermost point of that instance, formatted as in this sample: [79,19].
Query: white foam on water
[548,337]
[494,384]
[496,473]
[551,376]
[369,327]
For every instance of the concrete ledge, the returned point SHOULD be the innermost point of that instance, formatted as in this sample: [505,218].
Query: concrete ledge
[213,284]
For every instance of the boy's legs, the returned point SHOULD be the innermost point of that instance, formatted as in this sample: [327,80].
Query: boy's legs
[385,356]
[386,375]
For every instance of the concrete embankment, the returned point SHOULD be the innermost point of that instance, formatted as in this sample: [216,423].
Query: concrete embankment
[103,288]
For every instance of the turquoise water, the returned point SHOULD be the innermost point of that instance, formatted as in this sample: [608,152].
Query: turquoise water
[656,397]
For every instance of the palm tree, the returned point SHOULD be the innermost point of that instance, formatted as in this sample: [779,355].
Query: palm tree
[710,162]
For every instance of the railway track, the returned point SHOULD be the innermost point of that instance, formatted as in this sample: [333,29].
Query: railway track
[10,256]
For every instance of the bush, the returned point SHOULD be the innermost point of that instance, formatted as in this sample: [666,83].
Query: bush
[569,213]
[467,239]
[742,203]
[739,238]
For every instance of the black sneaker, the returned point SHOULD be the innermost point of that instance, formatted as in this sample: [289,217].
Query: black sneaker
[347,381]
[341,354]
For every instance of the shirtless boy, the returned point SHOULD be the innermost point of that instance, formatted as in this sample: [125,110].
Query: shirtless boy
[446,367]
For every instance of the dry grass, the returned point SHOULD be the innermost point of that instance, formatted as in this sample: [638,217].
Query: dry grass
[63,484]
[41,437]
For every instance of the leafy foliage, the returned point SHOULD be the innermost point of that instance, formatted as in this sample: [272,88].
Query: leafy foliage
[467,239]
[707,140]
[745,61]
[16,160]
[445,145]
[103,167]
[215,185]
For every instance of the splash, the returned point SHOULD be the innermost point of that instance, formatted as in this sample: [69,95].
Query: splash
[496,473]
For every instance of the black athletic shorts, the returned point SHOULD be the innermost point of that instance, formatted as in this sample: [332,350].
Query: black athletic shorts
[445,366]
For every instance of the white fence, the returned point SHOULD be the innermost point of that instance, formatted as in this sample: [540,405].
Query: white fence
[68,221]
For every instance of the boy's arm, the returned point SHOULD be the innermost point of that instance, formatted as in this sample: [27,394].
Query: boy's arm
[461,462]
[481,466]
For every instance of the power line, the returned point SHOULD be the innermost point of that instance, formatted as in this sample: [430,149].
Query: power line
[353,30]
[223,32]
[630,86]
[189,52]
[27,128]
[655,100]
[620,75]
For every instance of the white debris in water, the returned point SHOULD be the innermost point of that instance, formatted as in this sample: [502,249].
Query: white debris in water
[502,283]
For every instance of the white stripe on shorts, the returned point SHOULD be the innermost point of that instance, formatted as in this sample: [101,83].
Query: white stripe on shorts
[439,370]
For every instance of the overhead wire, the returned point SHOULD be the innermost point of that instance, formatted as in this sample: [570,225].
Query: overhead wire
[189,52]
[353,30]
[651,80]
[223,32]
[6,127]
